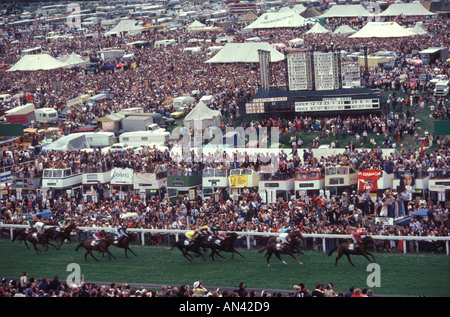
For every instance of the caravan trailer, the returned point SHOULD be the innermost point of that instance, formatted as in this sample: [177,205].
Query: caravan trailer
[46,115]
[144,138]
[99,139]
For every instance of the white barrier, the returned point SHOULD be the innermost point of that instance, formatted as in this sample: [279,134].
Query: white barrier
[249,234]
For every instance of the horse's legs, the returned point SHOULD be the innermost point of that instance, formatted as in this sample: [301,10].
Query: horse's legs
[235,251]
[109,253]
[370,260]
[348,258]
[279,258]
[337,259]
[268,256]
[25,240]
[127,248]
[298,260]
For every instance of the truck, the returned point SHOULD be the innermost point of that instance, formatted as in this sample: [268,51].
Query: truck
[136,123]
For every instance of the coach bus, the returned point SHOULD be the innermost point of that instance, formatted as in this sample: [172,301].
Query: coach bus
[339,179]
[212,179]
[277,186]
[309,182]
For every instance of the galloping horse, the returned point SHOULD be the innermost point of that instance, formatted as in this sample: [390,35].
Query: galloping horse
[36,238]
[124,243]
[93,245]
[185,247]
[281,248]
[296,234]
[226,245]
[360,249]
[64,234]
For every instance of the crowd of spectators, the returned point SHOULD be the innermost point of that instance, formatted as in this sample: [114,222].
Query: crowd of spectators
[163,73]
[28,286]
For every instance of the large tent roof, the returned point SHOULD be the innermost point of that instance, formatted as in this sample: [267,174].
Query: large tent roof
[346,11]
[245,53]
[196,25]
[382,30]
[406,9]
[311,13]
[272,20]
[318,29]
[71,142]
[33,62]
[202,114]
[73,60]
[344,30]
[418,29]
[129,26]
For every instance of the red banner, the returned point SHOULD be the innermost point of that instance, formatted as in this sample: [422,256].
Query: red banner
[368,180]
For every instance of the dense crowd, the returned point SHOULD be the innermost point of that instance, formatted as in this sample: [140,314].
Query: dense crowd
[28,286]
[163,73]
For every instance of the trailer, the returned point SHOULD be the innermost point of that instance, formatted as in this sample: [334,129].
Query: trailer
[21,114]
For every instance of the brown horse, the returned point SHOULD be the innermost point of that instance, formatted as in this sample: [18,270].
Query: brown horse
[123,243]
[36,238]
[101,246]
[296,234]
[64,234]
[281,248]
[226,245]
[360,249]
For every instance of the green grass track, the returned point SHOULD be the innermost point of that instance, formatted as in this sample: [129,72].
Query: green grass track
[405,275]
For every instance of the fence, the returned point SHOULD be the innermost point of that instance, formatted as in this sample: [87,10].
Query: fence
[324,242]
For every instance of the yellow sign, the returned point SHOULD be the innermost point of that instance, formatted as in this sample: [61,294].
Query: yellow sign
[238,180]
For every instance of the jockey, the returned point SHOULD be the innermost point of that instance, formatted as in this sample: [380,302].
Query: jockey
[357,236]
[40,226]
[62,224]
[285,235]
[122,232]
[191,235]
[31,225]
[100,235]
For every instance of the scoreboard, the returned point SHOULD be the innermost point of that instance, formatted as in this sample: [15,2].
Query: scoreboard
[337,104]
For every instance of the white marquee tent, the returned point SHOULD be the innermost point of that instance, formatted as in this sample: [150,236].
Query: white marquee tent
[73,60]
[33,62]
[202,117]
[196,25]
[245,53]
[346,11]
[406,9]
[71,142]
[418,29]
[344,30]
[382,30]
[274,20]
[318,29]
[126,26]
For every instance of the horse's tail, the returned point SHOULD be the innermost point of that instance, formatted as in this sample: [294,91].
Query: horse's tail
[79,246]
[331,251]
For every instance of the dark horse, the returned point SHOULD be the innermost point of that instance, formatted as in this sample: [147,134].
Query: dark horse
[360,249]
[226,245]
[295,235]
[101,246]
[36,238]
[281,248]
[123,243]
[64,234]
[186,246]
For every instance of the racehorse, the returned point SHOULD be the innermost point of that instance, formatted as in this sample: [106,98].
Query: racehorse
[64,234]
[227,245]
[360,249]
[101,246]
[36,238]
[295,235]
[185,247]
[124,243]
[281,248]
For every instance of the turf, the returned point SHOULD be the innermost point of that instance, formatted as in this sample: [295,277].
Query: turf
[403,275]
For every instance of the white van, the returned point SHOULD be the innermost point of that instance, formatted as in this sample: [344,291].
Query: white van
[99,139]
[183,101]
[144,138]
[441,89]
[46,115]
